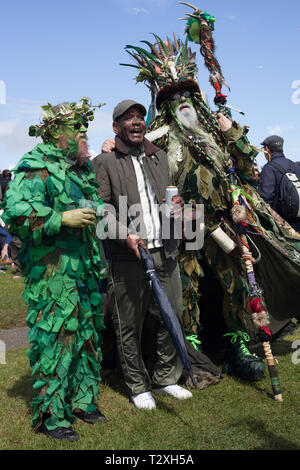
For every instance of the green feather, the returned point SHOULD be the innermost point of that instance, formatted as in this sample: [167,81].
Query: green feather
[144,53]
[130,65]
[152,47]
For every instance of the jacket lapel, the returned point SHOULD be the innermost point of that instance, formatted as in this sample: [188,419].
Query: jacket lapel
[151,165]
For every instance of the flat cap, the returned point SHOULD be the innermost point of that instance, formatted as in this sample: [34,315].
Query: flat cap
[123,106]
[273,141]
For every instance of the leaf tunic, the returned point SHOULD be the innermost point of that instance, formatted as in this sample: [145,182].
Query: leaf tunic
[200,181]
[63,268]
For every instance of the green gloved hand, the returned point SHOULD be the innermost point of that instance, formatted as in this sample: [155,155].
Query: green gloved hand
[79,218]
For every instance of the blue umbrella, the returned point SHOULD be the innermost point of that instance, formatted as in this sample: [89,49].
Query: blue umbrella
[167,311]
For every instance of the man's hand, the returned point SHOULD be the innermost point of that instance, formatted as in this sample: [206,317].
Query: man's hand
[108,146]
[79,218]
[4,251]
[132,242]
[224,122]
[177,206]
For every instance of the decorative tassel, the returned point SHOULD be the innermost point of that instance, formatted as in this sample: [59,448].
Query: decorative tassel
[260,319]
[259,315]
[238,214]
[255,305]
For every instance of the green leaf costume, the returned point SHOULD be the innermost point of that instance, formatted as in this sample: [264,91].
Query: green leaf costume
[215,169]
[202,178]
[63,270]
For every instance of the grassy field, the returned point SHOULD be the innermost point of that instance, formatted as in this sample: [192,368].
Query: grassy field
[232,415]
[12,305]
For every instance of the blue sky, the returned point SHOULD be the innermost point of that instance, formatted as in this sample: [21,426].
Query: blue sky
[55,51]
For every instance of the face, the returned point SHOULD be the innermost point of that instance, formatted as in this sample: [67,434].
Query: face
[76,131]
[131,127]
[267,153]
[182,105]
[255,171]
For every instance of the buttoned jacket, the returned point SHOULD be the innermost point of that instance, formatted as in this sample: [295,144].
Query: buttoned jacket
[116,177]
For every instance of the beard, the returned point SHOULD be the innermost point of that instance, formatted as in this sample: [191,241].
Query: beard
[187,116]
[83,153]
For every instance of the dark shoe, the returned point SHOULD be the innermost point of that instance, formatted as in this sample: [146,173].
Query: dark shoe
[91,418]
[61,433]
[239,361]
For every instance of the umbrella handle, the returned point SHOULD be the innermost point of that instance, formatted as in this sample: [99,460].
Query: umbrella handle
[142,252]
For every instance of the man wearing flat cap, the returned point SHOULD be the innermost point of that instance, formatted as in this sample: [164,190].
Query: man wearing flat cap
[135,175]
[272,173]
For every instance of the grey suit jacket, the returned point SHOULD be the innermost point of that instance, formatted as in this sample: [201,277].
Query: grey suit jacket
[116,177]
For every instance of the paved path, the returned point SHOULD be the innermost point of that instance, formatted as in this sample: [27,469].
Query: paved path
[15,338]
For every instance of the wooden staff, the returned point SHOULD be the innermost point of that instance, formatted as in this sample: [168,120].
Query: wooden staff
[260,317]
[239,214]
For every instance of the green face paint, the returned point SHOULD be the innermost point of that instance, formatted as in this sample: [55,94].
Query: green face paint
[174,105]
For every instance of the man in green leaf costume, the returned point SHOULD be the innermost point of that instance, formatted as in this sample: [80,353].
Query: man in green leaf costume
[52,205]
[211,161]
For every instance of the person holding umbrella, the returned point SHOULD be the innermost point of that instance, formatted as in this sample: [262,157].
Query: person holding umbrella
[138,171]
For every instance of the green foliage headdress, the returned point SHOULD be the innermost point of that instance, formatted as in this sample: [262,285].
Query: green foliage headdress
[54,118]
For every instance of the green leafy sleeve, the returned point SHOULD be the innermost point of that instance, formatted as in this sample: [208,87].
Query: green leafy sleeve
[26,208]
[239,147]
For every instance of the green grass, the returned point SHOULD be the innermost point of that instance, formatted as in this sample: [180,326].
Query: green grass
[12,306]
[232,415]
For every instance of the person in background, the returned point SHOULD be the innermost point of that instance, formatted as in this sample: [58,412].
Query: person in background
[271,175]
[5,179]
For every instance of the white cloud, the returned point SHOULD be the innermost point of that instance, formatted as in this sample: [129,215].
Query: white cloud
[24,107]
[260,67]
[276,130]
[14,142]
[21,113]
[99,130]
[137,11]
[101,124]
[231,17]
[143,6]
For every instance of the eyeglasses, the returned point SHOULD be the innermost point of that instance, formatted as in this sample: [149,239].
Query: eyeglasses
[78,125]
[178,95]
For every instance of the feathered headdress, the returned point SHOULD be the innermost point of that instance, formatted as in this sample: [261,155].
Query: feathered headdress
[165,67]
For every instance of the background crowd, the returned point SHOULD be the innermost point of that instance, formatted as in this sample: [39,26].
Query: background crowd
[9,245]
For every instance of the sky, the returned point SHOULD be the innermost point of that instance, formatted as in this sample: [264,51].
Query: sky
[56,51]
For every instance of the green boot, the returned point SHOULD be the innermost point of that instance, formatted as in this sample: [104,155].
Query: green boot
[239,361]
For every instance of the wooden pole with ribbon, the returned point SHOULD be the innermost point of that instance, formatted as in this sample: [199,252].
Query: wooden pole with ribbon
[199,29]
